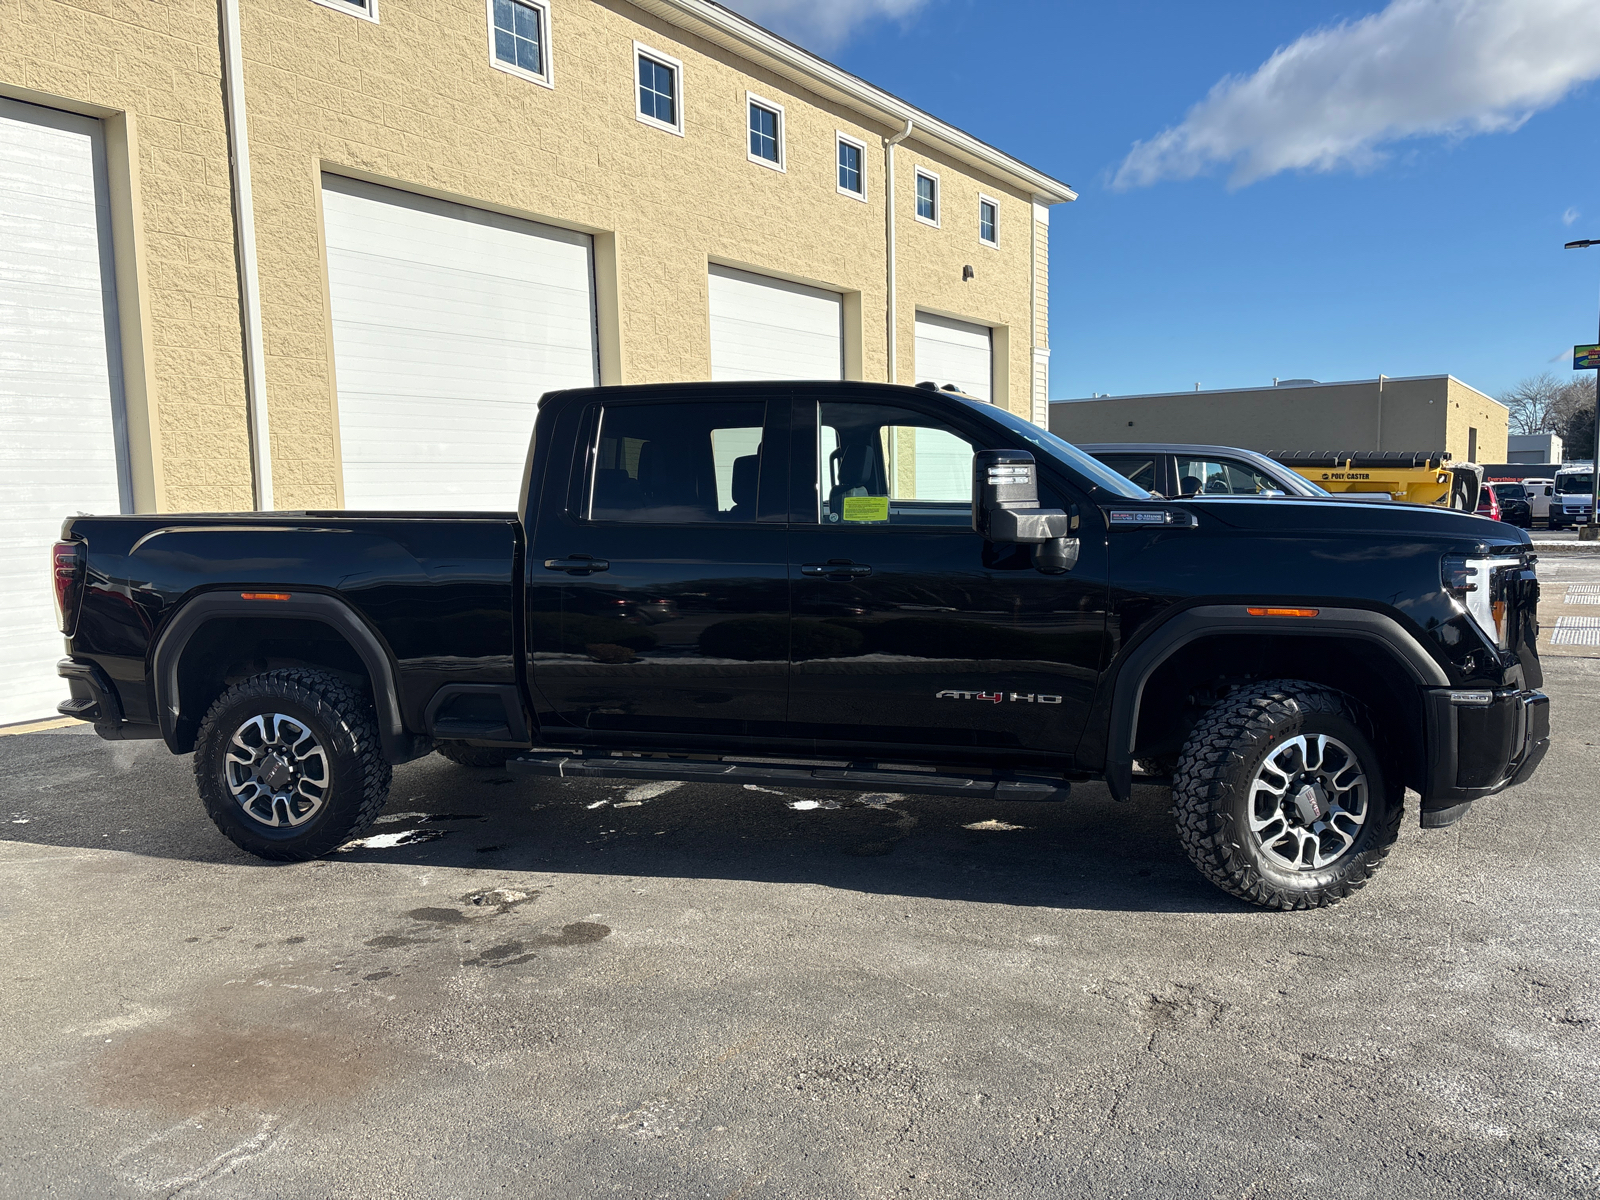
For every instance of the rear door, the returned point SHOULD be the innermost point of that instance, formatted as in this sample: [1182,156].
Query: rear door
[910,630]
[658,594]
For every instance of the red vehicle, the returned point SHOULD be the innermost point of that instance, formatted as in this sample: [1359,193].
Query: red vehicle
[1489,504]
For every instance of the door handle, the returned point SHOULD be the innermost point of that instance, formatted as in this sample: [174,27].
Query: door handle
[841,570]
[578,564]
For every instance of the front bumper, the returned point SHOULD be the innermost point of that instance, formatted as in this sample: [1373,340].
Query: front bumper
[1480,742]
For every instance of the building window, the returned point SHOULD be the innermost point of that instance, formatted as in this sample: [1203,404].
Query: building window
[927,197]
[660,89]
[766,132]
[367,10]
[852,167]
[988,221]
[519,38]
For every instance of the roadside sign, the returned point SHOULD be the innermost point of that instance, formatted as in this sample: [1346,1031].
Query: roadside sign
[1586,358]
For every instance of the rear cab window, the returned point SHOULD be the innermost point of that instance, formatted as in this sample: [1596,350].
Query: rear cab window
[1140,468]
[676,463]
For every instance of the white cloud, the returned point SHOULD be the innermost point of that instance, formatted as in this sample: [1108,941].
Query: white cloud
[1418,68]
[1571,215]
[822,24]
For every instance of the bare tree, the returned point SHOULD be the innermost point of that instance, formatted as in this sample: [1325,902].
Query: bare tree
[1537,404]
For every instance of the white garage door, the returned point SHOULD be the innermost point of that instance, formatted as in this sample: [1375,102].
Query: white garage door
[60,379]
[449,323]
[765,328]
[956,352]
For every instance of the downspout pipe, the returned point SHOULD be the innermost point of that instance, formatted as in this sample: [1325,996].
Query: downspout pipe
[889,143]
[244,232]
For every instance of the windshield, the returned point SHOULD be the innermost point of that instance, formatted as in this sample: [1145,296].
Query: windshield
[1510,491]
[1091,469]
[1569,485]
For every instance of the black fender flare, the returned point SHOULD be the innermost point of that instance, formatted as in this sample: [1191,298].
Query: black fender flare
[398,745]
[1210,619]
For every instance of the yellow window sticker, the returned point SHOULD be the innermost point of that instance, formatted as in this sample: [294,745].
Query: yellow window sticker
[866,508]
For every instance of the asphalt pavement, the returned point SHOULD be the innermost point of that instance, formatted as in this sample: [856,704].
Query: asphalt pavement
[565,989]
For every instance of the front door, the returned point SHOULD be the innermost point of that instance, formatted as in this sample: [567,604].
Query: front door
[910,630]
[658,593]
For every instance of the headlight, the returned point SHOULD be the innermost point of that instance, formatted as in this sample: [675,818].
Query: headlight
[1479,585]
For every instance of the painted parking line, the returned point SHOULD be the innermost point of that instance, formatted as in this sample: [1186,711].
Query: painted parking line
[39,726]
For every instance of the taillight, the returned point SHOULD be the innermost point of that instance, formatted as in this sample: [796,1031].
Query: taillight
[66,572]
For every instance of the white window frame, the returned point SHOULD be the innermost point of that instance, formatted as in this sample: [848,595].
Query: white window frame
[548,79]
[995,204]
[841,136]
[938,197]
[640,50]
[782,165]
[370,13]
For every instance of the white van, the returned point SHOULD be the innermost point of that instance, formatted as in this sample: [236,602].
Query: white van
[1541,494]
[1574,489]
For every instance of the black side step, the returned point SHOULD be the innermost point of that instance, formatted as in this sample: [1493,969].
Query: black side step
[854,777]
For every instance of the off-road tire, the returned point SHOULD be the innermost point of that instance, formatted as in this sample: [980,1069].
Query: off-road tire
[341,718]
[1211,792]
[475,756]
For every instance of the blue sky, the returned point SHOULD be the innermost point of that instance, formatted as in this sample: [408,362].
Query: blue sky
[1419,254]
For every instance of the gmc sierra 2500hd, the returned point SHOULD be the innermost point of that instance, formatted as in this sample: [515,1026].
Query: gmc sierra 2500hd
[839,585]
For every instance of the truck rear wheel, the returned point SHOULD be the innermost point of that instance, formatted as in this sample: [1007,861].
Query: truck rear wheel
[289,764]
[1282,798]
[475,756]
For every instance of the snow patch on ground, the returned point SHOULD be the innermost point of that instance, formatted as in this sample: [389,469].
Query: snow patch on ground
[388,841]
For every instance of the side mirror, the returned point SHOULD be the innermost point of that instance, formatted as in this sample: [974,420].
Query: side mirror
[1005,508]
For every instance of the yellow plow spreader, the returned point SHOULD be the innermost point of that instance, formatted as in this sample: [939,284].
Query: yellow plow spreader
[1420,477]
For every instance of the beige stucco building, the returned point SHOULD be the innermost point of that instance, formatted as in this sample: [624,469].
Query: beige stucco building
[415,199]
[1418,413]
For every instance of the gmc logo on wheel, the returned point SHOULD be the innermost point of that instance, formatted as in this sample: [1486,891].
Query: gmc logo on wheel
[999,697]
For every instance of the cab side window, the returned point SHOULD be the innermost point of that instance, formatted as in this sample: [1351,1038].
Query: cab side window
[1226,477]
[878,464]
[690,463]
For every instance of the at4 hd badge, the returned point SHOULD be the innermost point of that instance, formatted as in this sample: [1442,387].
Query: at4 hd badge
[999,697]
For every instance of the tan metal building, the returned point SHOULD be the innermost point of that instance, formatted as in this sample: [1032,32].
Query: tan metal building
[1420,412]
[319,253]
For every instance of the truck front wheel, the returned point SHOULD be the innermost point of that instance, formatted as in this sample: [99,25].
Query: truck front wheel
[1282,798]
[289,764]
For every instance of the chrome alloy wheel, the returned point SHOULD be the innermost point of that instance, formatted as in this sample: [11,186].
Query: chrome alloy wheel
[277,771]
[1308,802]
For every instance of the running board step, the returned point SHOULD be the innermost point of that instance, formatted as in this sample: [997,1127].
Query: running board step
[1039,789]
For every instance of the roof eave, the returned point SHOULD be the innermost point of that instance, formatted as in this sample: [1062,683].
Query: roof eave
[733,32]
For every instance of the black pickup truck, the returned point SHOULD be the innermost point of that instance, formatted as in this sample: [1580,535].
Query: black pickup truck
[839,585]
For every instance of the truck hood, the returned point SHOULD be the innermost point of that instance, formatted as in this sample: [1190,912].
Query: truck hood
[1315,515]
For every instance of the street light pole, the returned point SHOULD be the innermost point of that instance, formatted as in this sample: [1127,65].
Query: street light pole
[1591,532]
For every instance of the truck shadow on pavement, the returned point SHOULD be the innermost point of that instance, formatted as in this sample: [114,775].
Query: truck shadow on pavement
[66,788]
